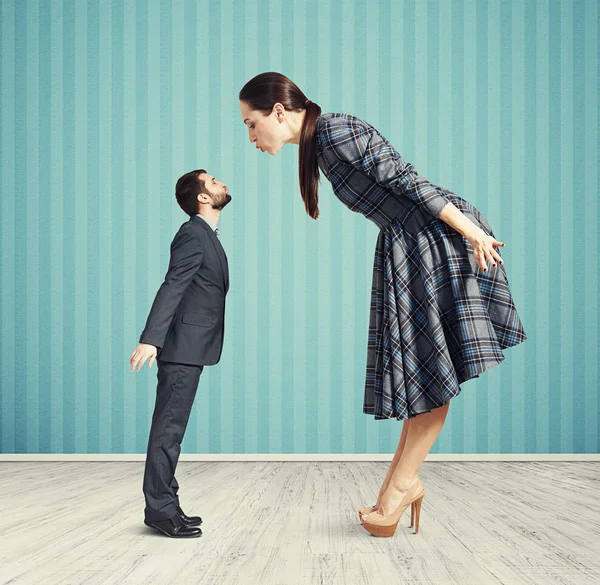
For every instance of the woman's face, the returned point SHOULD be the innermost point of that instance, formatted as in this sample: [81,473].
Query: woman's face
[266,131]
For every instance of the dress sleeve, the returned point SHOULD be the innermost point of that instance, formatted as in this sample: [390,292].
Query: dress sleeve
[357,143]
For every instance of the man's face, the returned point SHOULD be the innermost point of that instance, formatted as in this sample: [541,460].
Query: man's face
[216,191]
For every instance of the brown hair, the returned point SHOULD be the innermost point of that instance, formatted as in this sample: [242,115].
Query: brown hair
[262,93]
[187,189]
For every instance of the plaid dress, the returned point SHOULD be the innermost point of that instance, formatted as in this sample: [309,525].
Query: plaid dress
[436,318]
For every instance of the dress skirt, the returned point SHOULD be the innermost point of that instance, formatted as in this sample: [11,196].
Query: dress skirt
[436,318]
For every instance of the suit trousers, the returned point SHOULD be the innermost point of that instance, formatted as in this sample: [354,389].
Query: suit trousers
[175,392]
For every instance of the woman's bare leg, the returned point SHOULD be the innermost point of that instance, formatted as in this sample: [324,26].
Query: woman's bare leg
[391,468]
[422,434]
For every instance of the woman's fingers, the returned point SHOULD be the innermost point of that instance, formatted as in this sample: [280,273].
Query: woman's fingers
[484,252]
[497,256]
[490,258]
[481,259]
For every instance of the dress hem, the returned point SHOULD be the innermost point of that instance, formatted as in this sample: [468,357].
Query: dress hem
[473,373]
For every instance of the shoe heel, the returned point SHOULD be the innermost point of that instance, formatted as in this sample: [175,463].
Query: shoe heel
[415,513]
[413,508]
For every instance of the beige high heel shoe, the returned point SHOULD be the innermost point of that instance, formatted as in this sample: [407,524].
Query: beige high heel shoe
[366,511]
[413,499]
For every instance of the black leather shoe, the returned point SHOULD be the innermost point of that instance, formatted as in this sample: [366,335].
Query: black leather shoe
[174,528]
[188,520]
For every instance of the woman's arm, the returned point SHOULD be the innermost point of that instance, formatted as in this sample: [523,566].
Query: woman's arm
[483,244]
[357,143]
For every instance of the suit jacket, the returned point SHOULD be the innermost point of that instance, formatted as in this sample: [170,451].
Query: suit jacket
[187,318]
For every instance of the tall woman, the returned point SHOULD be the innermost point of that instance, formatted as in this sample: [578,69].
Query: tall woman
[439,314]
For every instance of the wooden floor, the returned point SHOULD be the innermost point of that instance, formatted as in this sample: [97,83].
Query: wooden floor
[284,523]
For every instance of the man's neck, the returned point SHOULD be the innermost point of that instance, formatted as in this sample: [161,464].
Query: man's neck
[211,214]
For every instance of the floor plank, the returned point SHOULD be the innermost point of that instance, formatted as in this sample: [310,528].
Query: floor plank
[295,523]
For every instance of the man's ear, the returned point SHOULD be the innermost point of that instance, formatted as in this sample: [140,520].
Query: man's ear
[203,198]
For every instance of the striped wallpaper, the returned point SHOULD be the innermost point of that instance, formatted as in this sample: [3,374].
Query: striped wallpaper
[104,104]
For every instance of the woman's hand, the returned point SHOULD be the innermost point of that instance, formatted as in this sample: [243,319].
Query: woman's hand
[484,248]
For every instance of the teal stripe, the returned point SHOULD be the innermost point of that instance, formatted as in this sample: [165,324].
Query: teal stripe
[565,210]
[332,383]
[56,349]
[433,130]
[464,141]
[128,219]
[237,252]
[363,251]
[388,433]
[520,222]
[2,218]
[275,382]
[2,224]
[556,366]
[7,164]
[530,307]
[105,232]
[298,303]
[69,322]
[77,237]
[185,69]
[117,292]
[596,93]
[144,397]
[505,220]
[578,258]
[481,390]
[254,175]
[493,204]
[321,370]
[20,230]
[449,125]
[543,205]
[314,420]
[159,232]
[213,77]
[94,365]
[45,228]
[31,408]
[288,176]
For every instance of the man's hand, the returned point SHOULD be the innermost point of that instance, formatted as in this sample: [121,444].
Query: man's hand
[141,353]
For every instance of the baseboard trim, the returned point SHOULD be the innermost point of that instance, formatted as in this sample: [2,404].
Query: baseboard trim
[299,457]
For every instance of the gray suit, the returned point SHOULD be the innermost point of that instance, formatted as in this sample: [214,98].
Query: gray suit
[186,324]
[186,321]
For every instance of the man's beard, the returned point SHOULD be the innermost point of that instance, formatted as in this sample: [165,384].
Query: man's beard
[222,202]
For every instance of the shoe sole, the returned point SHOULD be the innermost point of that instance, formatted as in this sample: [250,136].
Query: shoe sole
[172,535]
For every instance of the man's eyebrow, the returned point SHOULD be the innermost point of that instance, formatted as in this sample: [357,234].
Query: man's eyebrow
[246,119]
